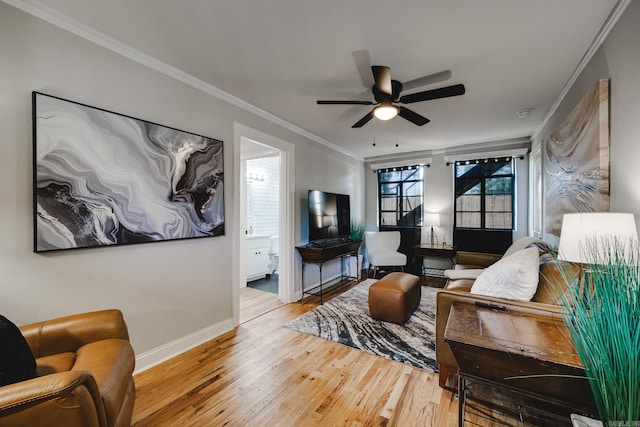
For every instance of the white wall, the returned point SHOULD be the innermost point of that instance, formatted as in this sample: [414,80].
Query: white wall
[438,197]
[168,290]
[343,178]
[618,59]
[622,52]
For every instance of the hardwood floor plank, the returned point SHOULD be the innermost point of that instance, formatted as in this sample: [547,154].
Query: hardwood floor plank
[254,303]
[391,406]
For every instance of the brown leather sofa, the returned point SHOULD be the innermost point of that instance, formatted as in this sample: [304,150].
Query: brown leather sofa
[84,374]
[545,302]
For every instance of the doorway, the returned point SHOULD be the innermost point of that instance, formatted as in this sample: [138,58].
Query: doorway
[263,231]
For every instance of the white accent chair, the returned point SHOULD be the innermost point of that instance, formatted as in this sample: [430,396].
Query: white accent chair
[382,250]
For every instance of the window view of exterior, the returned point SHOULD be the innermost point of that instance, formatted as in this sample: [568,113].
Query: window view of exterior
[484,192]
[400,197]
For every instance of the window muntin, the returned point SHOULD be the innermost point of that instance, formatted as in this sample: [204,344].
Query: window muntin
[400,197]
[484,194]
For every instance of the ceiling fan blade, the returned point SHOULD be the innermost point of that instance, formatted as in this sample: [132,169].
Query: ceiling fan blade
[443,92]
[363,64]
[363,121]
[412,116]
[382,76]
[427,80]
[345,102]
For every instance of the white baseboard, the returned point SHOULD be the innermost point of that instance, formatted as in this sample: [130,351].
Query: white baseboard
[171,349]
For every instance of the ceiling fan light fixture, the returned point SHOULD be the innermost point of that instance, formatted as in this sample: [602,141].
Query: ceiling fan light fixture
[385,111]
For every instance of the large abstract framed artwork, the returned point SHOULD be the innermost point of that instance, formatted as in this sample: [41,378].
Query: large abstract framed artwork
[102,178]
[577,160]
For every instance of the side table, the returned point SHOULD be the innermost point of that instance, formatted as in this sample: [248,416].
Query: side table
[524,353]
[445,252]
[318,254]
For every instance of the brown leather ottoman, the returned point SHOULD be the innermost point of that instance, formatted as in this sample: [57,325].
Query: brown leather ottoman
[394,297]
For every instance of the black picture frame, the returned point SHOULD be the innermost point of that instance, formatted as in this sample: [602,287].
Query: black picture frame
[102,178]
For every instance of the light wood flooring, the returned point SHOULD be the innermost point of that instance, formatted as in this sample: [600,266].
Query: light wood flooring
[254,303]
[262,374]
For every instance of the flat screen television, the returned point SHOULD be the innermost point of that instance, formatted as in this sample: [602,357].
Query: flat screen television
[329,215]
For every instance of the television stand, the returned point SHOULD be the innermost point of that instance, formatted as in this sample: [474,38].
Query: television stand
[321,252]
[325,243]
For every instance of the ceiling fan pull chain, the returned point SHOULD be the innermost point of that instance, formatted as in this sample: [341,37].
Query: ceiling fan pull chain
[374,131]
[396,120]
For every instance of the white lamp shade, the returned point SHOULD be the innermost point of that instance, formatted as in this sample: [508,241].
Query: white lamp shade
[578,229]
[432,219]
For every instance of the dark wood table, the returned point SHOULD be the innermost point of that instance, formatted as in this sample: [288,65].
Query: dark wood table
[319,253]
[528,354]
[446,252]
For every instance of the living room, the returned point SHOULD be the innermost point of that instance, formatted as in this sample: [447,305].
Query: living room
[178,294]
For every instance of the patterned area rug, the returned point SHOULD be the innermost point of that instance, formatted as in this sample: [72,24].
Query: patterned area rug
[345,319]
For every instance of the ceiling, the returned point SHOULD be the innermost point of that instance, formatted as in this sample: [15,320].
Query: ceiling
[283,55]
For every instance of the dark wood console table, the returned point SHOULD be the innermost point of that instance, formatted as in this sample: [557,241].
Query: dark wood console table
[532,356]
[319,253]
[446,252]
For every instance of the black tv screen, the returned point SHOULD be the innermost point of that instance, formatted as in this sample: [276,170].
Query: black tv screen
[329,215]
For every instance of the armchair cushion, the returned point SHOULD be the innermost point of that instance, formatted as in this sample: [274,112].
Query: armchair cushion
[16,361]
[459,273]
[387,258]
[514,277]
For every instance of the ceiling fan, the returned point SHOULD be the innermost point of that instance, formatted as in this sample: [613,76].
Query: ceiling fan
[386,93]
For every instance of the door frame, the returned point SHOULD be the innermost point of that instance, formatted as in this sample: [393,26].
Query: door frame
[286,152]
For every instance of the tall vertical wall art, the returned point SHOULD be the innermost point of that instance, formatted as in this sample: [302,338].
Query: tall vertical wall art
[102,178]
[577,160]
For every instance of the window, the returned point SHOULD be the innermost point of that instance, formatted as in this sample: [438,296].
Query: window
[400,192]
[484,196]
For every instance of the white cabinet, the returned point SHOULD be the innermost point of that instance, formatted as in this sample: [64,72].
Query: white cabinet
[257,263]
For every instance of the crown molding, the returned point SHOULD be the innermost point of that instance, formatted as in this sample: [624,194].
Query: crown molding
[604,31]
[73,26]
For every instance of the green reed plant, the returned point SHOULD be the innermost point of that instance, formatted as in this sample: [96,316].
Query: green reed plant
[604,322]
[357,230]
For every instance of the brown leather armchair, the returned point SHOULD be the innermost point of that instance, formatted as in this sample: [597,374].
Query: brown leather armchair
[545,302]
[84,374]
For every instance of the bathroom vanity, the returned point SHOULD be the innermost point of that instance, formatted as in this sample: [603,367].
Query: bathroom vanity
[257,262]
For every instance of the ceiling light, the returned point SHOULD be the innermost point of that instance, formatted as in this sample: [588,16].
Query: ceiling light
[385,111]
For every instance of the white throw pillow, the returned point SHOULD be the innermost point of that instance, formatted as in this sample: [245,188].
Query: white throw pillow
[513,277]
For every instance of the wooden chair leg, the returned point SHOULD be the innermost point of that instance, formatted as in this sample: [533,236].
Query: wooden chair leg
[443,373]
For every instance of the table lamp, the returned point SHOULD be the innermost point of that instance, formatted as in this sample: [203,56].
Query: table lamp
[432,220]
[596,238]
[586,238]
